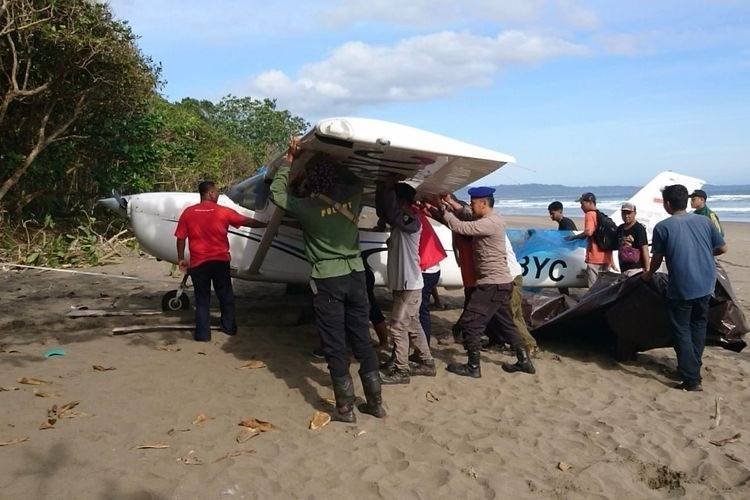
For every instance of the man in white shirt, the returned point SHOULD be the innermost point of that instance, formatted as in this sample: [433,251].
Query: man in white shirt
[394,203]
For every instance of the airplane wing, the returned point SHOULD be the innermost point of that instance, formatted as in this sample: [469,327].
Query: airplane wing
[375,149]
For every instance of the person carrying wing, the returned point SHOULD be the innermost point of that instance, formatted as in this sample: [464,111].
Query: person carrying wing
[323,199]
[405,280]
[494,285]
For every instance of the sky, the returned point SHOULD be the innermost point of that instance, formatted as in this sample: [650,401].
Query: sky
[581,92]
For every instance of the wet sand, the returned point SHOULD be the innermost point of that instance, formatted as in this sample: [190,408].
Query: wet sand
[618,429]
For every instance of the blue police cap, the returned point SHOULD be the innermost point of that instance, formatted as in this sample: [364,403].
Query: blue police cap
[481,192]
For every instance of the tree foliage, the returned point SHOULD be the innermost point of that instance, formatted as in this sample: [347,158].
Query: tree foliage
[66,64]
[80,115]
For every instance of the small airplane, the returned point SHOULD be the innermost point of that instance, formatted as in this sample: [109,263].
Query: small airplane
[373,150]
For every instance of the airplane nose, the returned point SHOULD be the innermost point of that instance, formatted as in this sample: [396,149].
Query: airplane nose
[118,205]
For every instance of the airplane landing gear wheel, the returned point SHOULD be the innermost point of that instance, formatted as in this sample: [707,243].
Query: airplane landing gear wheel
[175,300]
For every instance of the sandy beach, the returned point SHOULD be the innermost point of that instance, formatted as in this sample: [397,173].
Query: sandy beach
[584,427]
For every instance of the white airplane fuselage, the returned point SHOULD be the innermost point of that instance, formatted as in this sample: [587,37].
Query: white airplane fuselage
[154,216]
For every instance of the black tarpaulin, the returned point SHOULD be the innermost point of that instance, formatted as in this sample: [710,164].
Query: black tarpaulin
[630,315]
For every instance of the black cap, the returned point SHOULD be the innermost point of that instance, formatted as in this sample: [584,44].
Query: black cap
[587,197]
[699,193]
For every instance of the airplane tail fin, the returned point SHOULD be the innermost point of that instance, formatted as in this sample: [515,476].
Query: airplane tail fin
[648,200]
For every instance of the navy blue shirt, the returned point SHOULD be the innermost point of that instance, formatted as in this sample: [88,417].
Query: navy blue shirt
[688,241]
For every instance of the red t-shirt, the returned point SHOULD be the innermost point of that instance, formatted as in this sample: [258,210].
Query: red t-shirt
[205,226]
[465,247]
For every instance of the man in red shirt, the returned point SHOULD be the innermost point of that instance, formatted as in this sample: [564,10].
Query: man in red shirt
[205,226]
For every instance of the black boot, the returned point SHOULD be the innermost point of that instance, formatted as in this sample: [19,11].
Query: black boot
[394,376]
[470,369]
[371,386]
[389,363]
[523,364]
[423,368]
[343,390]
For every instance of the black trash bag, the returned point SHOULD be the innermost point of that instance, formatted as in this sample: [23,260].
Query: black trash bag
[630,316]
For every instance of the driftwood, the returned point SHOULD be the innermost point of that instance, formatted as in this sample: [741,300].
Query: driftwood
[71,271]
[98,313]
[124,330]
[717,413]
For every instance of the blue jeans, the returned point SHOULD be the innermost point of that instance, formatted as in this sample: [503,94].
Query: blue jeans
[203,276]
[430,282]
[687,320]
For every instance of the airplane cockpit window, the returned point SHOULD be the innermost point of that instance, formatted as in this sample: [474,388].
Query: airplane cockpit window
[252,193]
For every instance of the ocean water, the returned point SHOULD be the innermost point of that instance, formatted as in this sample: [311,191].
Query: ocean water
[732,203]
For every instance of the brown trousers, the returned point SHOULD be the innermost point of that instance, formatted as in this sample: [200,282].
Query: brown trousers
[406,328]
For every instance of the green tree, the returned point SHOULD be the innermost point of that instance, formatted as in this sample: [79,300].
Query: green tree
[258,124]
[68,68]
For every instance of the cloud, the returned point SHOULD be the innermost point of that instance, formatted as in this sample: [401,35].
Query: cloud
[424,67]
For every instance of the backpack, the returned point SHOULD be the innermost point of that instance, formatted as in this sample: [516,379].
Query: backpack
[605,234]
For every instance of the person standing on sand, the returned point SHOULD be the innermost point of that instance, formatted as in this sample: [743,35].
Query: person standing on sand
[598,261]
[689,243]
[394,202]
[491,297]
[205,227]
[555,210]
[431,253]
[324,198]
[633,242]
[698,203]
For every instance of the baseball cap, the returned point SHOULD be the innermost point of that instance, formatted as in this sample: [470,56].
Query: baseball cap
[627,207]
[699,193]
[481,192]
[587,197]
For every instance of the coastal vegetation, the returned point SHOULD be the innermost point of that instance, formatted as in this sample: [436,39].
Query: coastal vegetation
[81,115]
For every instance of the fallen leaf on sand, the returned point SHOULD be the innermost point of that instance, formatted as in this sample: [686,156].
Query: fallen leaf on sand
[233,454]
[2,389]
[356,432]
[42,394]
[32,381]
[167,348]
[734,458]
[246,434]
[190,459]
[172,431]
[328,401]
[429,396]
[202,353]
[564,466]
[258,425]
[155,446]
[469,471]
[14,441]
[319,419]
[67,407]
[722,442]
[48,424]
[253,365]
[201,419]
[100,368]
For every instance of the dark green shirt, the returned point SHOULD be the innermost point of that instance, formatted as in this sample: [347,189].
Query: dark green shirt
[711,216]
[331,240]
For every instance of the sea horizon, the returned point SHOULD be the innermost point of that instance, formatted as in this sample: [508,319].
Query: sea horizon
[730,202]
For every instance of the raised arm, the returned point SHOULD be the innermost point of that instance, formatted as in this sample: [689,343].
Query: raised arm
[480,227]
